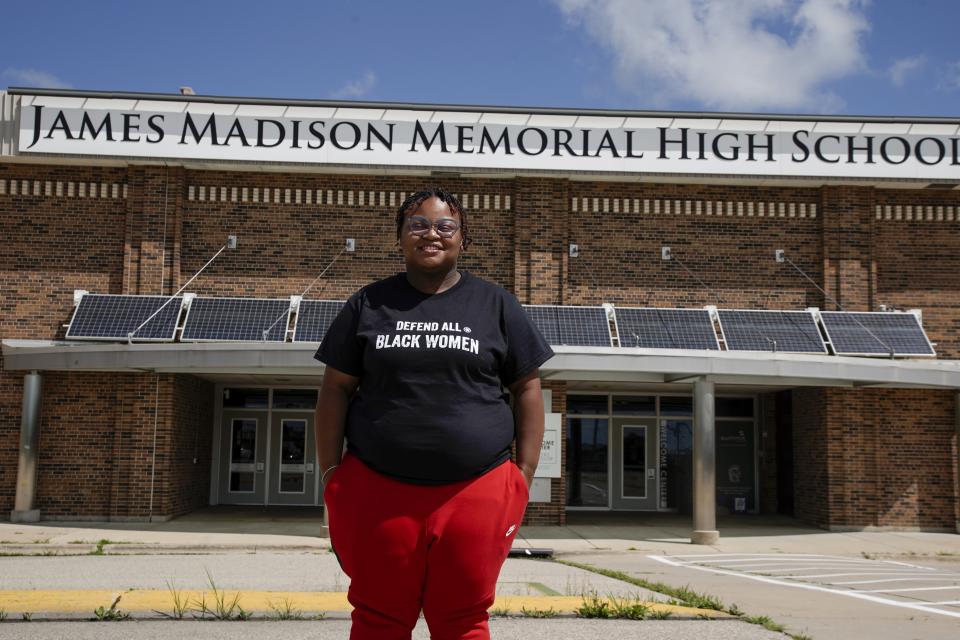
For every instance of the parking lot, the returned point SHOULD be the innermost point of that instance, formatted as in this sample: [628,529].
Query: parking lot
[931,589]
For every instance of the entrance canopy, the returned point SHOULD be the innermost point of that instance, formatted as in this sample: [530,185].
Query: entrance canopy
[598,364]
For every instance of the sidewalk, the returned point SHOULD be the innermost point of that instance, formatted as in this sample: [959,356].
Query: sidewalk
[227,528]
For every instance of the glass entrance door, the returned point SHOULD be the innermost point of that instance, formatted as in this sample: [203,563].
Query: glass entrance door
[635,463]
[267,451]
[243,457]
[292,459]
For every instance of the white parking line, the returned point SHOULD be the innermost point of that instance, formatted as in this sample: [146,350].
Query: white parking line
[899,580]
[862,573]
[790,570]
[947,602]
[811,587]
[910,589]
[818,560]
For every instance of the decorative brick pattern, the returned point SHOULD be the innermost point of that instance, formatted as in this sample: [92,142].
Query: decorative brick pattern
[339,197]
[678,207]
[62,189]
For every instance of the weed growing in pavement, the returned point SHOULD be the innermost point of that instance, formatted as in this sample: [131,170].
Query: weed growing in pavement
[500,612]
[660,614]
[799,636]
[765,622]
[111,614]
[322,615]
[3,615]
[27,616]
[223,608]
[285,611]
[539,613]
[680,596]
[686,596]
[99,550]
[180,603]
[593,606]
[629,608]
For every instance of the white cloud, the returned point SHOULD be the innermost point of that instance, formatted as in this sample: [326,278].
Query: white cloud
[950,77]
[726,53]
[33,78]
[900,68]
[357,88]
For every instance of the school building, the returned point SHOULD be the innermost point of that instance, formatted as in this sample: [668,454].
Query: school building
[751,313]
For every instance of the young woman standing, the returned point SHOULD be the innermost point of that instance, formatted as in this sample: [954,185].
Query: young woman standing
[424,506]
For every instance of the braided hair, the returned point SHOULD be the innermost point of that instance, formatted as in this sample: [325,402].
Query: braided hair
[414,200]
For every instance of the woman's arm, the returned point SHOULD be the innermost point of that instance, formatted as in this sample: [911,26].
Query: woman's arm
[335,393]
[528,412]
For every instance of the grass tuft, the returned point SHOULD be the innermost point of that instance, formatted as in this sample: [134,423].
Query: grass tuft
[593,606]
[223,608]
[285,611]
[539,613]
[112,614]
[629,608]
[765,622]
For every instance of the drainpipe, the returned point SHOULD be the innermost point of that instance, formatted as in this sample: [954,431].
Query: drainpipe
[956,424]
[24,503]
[704,465]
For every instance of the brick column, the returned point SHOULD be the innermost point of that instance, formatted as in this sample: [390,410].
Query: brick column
[540,211]
[152,239]
[848,271]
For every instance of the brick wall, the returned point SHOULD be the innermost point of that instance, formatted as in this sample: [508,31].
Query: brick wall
[731,249]
[96,439]
[77,216]
[147,229]
[283,245]
[811,450]
[876,458]
[187,454]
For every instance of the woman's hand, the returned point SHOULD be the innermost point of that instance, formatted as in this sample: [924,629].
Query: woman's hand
[528,410]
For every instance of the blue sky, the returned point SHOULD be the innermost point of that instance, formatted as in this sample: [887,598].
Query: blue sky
[885,57]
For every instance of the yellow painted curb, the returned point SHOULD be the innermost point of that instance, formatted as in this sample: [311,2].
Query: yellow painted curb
[85,601]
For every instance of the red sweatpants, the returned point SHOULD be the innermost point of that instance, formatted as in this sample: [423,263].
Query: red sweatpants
[409,547]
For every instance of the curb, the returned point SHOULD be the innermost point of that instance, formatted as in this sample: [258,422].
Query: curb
[80,604]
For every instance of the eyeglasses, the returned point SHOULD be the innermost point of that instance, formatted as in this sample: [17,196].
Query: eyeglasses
[420,226]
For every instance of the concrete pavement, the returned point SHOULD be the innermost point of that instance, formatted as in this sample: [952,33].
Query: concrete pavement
[271,556]
[501,629]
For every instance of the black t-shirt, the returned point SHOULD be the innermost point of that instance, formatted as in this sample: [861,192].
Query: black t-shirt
[432,407]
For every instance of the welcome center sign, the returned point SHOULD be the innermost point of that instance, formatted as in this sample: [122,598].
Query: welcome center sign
[141,128]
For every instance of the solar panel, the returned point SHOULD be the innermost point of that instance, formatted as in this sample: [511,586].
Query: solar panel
[112,317]
[314,319]
[651,328]
[236,320]
[786,331]
[850,334]
[571,326]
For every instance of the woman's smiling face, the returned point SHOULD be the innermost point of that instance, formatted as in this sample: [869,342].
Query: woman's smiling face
[431,252]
